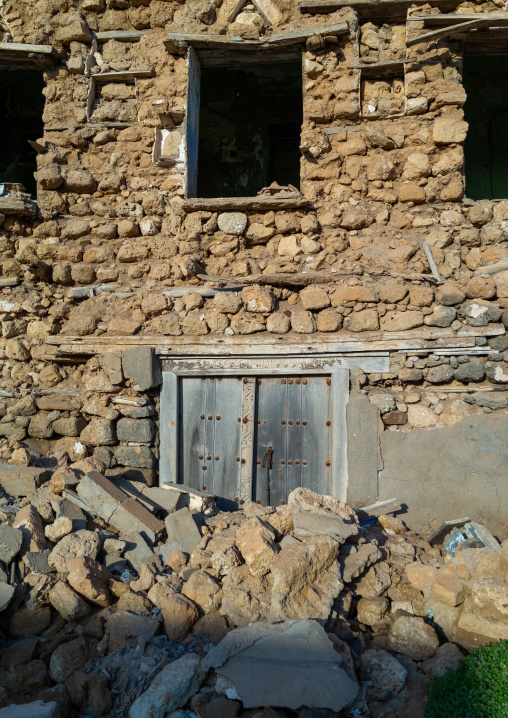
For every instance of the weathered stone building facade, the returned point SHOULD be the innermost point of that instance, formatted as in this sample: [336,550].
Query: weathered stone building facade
[364,310]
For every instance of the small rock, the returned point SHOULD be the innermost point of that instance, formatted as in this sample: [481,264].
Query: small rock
[447,656]
[29,621]
[80,543]
[67,602]
[372,610]
[413,637]
[126,628]
[446,588]
[58,529]
[204,591]
[10,542]
[393,524]
[179,614]
[386,674]
[89,693]
[89,578]
[68,658]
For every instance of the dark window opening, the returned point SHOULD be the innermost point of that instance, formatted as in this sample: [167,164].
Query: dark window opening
[249,128]
[485,79]
[20,120]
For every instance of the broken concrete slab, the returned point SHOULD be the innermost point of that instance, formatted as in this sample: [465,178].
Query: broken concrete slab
[21,480]
[6,594]
[293,669]
[123,512]
[38,709]
[170,689]
[142,366]
[182,530]
[10,542]
[317,523]
[137,551]
[196,500]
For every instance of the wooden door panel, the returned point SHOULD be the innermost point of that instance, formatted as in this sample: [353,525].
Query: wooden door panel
[228,402]
[192,394]
[271,441]
[294,433]
[316,435]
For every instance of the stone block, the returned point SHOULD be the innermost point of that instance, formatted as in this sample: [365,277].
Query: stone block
[140,457]
[140,430]
[10,542]
[182,530]
[21,480]
[142,366]
[38,709]
[67,602]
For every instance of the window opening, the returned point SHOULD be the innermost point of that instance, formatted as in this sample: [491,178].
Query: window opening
[485,79]
[20,120]
[249,128]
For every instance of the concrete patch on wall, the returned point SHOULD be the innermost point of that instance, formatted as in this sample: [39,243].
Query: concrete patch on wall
[449,472]
[363,429]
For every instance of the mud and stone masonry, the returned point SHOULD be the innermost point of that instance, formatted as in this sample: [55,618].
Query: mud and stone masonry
[315,189]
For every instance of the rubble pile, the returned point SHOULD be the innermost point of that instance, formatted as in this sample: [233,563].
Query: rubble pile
[120,599]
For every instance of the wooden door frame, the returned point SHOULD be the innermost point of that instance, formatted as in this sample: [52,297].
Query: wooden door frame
[335,366]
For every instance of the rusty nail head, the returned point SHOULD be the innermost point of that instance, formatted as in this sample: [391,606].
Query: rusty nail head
[219,378]
[283,423]
[202,416]
[298,423]
[243,461]
[216,458]
[290,463]
[258,501]
[328,463]
[259,422]
[245,420]
[239,418]
[304,463]
[218,417]
[282,462]
[290,423]
[328,423]
[304,423]
[245,381]
[297,462]
[204,468]
[260,381]
[282,502]
[258,462]
[282,381]
[208,458]
[238,458]
[304,382]
[203,487]
[210,417]
[201,457]
[236,499]
[242,501]
[203,378]
[297,382]
[290,381]
[328,381]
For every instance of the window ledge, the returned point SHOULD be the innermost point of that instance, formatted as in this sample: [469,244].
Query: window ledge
[225,203]
[17,205]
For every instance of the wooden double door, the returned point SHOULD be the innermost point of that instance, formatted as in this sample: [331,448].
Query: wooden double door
[256,438]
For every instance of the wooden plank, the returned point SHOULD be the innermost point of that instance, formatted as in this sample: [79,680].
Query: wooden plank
[297,279]
[364,7]
[15,47]
[125,76]
[192,123]
[219,204]
[381,68]
[271,447]
[247,438]
[269,345]
[294,430]
[121,35]
[316,435]
[207,464]
[228,403]
[446,32]
[168,462]
[493,268]
[439,534]
[432,262]
[339,399]
[191,417]
[495,18]
[290,38]
[9,281]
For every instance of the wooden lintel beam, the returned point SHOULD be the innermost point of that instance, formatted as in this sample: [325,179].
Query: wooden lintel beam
[18,47]
[494,18]
[447,31]
[315,7]
[243,203]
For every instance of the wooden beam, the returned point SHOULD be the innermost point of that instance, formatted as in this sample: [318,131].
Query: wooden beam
[127,76]
[121,35]
[18,47]
[432,262]
[493,268]
[447,31]
[298,279]
[365,7]
[239,203]
[176,42]
[494,18]
[269,344]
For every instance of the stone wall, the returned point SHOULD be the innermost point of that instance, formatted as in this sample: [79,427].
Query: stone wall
[381,168]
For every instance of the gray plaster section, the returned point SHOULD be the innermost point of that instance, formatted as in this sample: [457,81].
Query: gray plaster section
[294,669]
[142,365]
[363,429]
[449,472]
